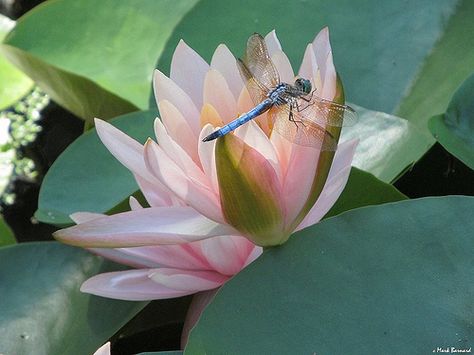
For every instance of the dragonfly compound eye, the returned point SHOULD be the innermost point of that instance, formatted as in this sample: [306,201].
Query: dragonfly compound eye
[304,85]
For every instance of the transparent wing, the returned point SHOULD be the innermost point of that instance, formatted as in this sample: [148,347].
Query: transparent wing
[258,61]
[326,112]
[300,131]
[258,92]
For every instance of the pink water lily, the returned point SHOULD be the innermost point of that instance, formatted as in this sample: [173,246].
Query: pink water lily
[211,204]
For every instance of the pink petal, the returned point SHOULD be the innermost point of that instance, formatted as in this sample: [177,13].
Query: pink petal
[119,255]
[223,254]
[253,255]
[253,136]
[337,179]
[218,94]
[272,42]
[196,193]
[283,66]
[207,157]
[82,217]
[178,155]
[127,150]
[187,281]
[197,306]
[182,256]
[329,79]
[188,70]
[299,179]
[103,350]
[133,285]
[322,48]
[308,65]
[178,128]
[244,102]
[134,204]
[148,226]
[224,62]
[157,194]
[167,89]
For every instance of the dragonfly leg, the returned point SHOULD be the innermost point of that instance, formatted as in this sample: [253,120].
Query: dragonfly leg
[307,100]
[292,118]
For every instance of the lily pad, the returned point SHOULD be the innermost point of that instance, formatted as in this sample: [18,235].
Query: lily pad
[42,310]
[388,145]
[455,129]
[13,83]
[78,182]
[6,234]
[98,58]
[390,279]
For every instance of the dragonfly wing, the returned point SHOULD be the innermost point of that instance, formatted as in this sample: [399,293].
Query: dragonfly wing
[326,112]
[258,91]
[300,131]
[258,61]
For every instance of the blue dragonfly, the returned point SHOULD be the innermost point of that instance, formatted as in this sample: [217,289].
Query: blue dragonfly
[294,111]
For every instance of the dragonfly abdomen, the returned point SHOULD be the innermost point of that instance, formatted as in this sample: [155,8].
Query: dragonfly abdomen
[262,107]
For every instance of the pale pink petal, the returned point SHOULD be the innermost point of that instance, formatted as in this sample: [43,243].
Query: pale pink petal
[178,128]
[322,48]
[82,217]
[224,62]
[127,150]
[222,254]
[272,42]
[188,70]
[326,200]
[134,204]
[253,255]
[218,94]
[132,285]
[254,136]
[283,66]
[120,255]
[308,63]
[336,181]
[182,256]
[178,155]
[196,194]
[103,350]
[299,179]
[207,157]
[329,80]
[197,306]
[187,281]
[309,69]
[244,102]
[148,226]
[157,194]
[167,89]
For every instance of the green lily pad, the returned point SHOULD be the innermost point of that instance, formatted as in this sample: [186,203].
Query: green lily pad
[75,182]
[388,145]
[13,83]
[364,189]
[455,129]
[390,279]
[6,234]
[42,310]
[98,58]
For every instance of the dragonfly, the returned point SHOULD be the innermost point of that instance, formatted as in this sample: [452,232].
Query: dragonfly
[294,110]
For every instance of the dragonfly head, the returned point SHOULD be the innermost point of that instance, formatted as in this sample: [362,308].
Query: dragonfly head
[304,85]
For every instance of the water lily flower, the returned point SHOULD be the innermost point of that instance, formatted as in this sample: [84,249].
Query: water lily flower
[211,205]
[103,350]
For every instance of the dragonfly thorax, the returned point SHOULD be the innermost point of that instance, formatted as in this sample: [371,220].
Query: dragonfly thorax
[285,93]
